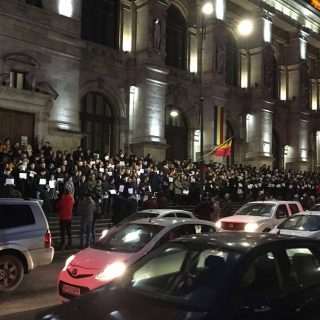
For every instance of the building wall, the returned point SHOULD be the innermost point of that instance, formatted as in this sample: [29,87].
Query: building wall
[61,68]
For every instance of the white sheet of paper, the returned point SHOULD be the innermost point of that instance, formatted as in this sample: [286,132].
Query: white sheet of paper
[130,190]
[9,181]
[141,171]
[22,175]
[121,188]
[112,191]
[42,181]
[101,169]
[170,179]
[185,191]
[122,163]
[52,184]
[110,173]
[60,180]
[31,174]
[106,158]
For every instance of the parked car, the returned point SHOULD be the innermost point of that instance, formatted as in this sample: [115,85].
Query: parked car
[302,224]
[259,216]
[123,245]
[25,240]
[158,213]
[221,276]
[316,207]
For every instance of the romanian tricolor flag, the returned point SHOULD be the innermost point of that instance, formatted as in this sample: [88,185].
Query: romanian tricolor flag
[224,149]
[218,125]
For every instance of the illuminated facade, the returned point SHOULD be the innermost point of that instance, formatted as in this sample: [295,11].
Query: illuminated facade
[107,74]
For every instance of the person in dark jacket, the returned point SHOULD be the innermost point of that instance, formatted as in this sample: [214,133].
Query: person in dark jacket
[86,209]
[203,209]
[226,206]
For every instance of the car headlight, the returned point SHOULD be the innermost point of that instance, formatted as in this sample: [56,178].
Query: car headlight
[112,271]
[68,262]
[251,227]
[218,224]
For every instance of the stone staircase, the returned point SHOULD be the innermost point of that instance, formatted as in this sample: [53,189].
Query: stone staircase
[102,224]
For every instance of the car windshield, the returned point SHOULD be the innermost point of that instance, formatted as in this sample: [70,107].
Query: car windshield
[256,209]
[301,223]
[180,273]
[128,238]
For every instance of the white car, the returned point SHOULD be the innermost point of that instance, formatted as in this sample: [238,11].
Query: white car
[25,240]
[259,216]
[302,224]
[122,246]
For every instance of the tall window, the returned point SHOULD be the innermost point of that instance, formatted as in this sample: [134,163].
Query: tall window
[176,39]
[17,80]
[36,3]
[99,22]
[97,123]
[231,62]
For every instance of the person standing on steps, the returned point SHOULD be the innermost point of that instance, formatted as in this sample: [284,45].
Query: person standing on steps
[65,207]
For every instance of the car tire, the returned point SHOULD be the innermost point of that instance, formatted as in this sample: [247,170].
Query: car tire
[266,230]
[11,273]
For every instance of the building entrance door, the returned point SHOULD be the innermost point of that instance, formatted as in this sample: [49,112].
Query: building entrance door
[17,126]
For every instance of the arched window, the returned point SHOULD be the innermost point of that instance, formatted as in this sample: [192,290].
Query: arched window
[97,123]
[176,39]
[36,3]
[99,21]
[231,61]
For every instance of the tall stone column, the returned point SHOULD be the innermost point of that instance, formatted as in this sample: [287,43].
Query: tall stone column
[147,107]
[298,96]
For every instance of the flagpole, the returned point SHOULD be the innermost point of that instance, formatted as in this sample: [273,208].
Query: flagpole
[217,147]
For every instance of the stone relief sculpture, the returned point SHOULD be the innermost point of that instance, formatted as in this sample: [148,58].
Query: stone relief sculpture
[44,87]
[267,73]
[156,34]
[5,79]
[220,56]
[304,80]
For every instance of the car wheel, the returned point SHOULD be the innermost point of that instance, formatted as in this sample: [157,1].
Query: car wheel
[266,230]
[11,273]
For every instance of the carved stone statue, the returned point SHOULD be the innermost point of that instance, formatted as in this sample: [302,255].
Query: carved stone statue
[220,56]
[5,79]
[44,87]
[156,34]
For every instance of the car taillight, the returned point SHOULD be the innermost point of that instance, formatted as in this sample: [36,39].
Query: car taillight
[47,239]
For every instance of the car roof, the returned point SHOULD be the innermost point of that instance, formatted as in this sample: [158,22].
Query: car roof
[162,211]
[169,221]
[308,213]
[271,202]
[240,241]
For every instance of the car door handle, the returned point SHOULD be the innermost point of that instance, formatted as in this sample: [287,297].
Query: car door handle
[262,309]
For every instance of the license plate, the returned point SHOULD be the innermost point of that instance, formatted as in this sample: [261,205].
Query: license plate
[71,289]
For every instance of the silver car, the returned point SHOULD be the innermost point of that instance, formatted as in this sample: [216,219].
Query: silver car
[25,240]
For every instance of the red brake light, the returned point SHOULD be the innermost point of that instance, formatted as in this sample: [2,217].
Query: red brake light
[47,239]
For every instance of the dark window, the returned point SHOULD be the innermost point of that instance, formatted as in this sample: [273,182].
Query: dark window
[294,208]
[12,216]
[176,39]
[231,62]
[282,212]
[305,266]
[183,215]
[36,3]
[97,123]
[169,215]
[260,284]
[17,80]
[99,22]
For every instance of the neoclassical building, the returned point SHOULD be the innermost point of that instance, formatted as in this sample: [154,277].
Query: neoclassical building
[136,75]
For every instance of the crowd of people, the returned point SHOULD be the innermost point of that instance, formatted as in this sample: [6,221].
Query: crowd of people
[122,183]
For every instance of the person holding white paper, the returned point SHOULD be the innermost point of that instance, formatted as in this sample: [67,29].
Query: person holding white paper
[40,184]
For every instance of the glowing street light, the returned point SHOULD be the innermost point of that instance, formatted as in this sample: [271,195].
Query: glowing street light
[245,27]
[174,113]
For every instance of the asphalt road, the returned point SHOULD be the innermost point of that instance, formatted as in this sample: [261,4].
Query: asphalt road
[37,292]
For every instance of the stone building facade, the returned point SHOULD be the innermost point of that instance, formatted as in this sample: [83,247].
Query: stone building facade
[108,74]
